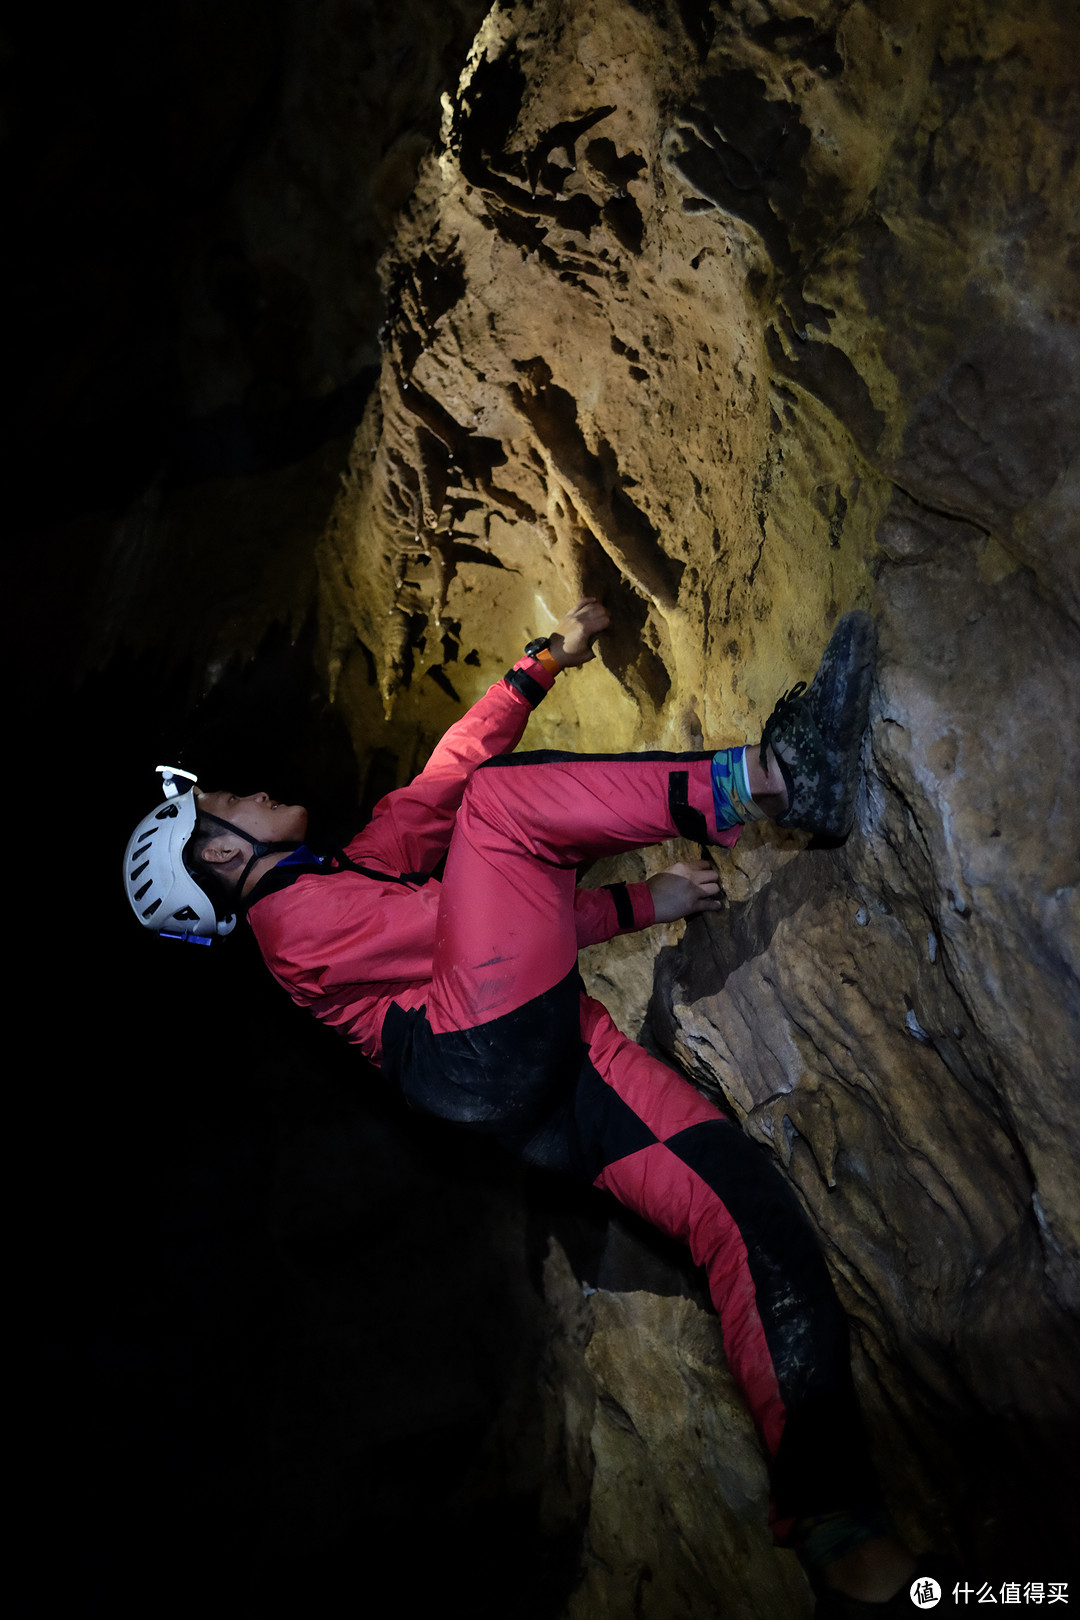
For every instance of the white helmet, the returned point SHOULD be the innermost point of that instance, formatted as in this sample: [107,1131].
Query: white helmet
[162,892]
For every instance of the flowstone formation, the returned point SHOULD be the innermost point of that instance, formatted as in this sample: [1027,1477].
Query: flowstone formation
[740,317]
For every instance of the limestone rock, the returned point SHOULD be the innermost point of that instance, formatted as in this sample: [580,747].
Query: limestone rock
[679,1491]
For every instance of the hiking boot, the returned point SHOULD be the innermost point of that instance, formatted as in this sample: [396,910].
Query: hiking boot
[817,734]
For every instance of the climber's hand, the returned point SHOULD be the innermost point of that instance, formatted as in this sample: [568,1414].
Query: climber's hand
[573,636]
[685,889]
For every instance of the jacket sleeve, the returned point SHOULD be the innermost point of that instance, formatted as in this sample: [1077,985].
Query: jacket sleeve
[411,827]
[618,908]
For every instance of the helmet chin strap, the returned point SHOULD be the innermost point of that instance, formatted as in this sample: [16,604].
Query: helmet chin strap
[259,848]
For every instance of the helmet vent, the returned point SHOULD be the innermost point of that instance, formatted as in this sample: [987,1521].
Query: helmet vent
[158,881]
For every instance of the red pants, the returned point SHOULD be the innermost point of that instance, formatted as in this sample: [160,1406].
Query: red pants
[526,823]
[510,1044]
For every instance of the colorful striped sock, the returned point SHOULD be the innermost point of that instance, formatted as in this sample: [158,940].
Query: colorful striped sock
[822,1539]
[732,800]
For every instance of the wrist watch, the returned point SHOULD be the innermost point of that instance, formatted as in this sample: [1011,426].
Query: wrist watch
[538,649]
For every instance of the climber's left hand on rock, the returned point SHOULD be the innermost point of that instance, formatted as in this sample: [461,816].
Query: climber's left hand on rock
[685,889]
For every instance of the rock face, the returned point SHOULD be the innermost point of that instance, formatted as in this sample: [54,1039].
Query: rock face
[741,317]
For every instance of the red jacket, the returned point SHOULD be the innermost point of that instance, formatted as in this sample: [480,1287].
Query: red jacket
[345,945]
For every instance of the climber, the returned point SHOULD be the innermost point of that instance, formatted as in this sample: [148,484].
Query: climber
[465,990]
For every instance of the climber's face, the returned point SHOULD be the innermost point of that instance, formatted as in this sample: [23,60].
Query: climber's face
[257,814]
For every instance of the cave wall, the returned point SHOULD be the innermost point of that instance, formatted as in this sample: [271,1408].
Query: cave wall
[741,317]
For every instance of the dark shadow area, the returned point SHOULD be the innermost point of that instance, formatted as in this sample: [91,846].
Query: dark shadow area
[274,1323]
[279,1324]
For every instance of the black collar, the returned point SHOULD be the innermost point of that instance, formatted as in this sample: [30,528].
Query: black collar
[302,862]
